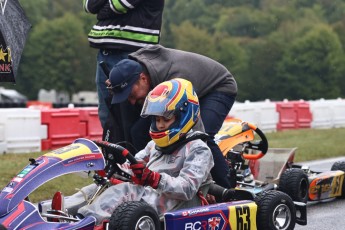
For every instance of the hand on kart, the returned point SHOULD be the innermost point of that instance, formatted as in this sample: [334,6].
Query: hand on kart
[211,199]
[144,176]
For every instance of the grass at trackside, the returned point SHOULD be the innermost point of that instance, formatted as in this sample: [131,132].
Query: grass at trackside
[312,144]
[12,164]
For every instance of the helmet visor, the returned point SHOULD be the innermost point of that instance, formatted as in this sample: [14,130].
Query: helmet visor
[156,107]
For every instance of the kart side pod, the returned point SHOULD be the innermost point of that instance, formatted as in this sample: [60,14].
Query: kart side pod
[231,215]
[222,216]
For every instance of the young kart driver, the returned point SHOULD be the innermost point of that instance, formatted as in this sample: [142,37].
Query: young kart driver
[174,165]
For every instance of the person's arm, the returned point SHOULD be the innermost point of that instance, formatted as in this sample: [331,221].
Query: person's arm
[93,6]
[195,171]
[142,174]
[122,6]
[141,156]
[144,155]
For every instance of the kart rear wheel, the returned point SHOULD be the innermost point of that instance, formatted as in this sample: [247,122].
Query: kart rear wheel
[276,211]
[340,165]
[134,215]
[295,183]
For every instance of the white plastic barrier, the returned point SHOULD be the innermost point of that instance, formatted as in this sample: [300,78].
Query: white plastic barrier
[338,106]
[263,114]
[328,113]
[20,130]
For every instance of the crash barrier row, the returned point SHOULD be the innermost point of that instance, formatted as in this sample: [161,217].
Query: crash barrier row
[42,105]
[263,114]
[328,113]
[20,130]
[30,130]
[67,124]
[25,130]
[273,116]
[294,115]
[49,105]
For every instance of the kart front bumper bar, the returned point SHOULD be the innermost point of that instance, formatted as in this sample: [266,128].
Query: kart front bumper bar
[301,213]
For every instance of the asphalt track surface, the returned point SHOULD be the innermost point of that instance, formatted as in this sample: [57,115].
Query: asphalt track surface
[325,215]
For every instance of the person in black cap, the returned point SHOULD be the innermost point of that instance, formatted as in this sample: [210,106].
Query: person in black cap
[123,26]
[131,80]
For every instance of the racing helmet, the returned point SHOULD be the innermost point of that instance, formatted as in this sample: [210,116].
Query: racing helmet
[174,97]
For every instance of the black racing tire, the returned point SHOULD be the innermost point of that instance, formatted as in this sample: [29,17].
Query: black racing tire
[276,211]
[295,183]
[131,214]
[340,165]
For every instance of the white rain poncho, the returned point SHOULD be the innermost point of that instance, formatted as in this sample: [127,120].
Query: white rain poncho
[182,174]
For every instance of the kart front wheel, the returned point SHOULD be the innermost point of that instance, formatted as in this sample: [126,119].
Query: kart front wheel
[340,165]
[134,215]
[295,183]
[276,211]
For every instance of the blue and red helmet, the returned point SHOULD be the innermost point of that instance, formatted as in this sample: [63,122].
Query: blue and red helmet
[174,97]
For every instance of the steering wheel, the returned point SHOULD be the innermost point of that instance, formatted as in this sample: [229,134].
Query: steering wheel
[238,132]
[260,145]
[115,154]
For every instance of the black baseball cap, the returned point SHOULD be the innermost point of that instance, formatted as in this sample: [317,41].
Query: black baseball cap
[122,77]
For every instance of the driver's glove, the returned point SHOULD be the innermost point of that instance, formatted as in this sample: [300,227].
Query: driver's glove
[144,176]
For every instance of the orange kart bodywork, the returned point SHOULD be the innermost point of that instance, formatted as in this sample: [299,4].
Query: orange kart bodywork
[326,185]
[241,138]
[238,135]
[235,132]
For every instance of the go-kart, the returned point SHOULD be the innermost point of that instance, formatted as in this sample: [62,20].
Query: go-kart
[268,210]
[304,184]
[238,143]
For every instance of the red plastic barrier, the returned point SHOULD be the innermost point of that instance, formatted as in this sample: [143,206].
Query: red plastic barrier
[304,115]
[67,124]
[63,125]
[287,116]
[89,115]
[293,115]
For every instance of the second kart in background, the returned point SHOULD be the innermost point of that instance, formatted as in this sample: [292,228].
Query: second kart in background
[258,168]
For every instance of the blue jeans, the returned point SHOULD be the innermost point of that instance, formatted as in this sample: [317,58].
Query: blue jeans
[136,128]
[214,107]
[104,97]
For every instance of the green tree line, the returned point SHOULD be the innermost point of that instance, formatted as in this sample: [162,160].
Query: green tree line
[275,49]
